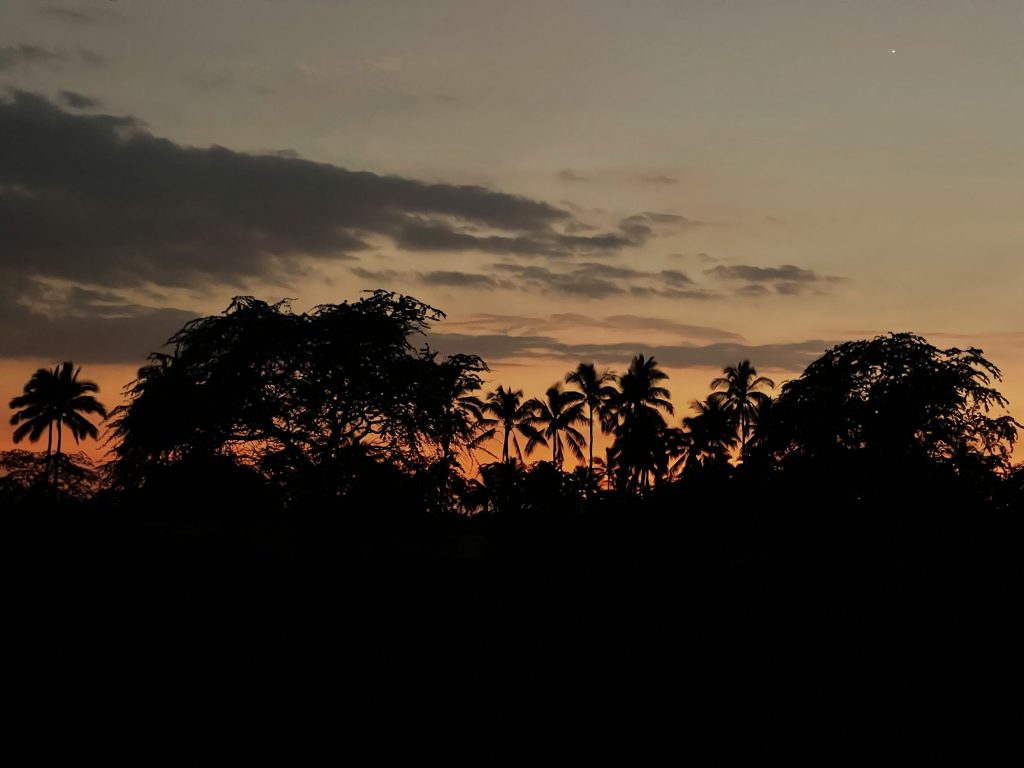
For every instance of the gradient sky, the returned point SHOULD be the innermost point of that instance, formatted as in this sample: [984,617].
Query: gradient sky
[704,181]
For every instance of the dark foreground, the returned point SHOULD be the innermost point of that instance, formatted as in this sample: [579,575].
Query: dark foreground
[687,633]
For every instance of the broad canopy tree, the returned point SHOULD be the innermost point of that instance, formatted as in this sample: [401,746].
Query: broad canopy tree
[301,397]
[893,404]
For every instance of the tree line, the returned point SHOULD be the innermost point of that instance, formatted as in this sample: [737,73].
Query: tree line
[339,400]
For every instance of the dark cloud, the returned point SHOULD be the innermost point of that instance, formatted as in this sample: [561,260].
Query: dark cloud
[78,100]
[568,174]
[643,323]
[752,291]
[87,326]
[597,280]
[576,283]
[382,275]
[787,273]
[459,280]
[91,57]
[27,55]
[675,277]
[31,55]
[786,280]
[496,347]
[599,269]
[97,198]
[446,98]
[78,16]
[657,178]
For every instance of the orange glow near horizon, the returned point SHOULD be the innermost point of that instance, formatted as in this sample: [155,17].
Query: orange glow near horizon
[531,376]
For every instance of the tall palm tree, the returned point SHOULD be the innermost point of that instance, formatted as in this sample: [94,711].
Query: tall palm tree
[711,432]
[638,434]
[55,398]
[598,392]
[738,389]
[512,415]
[555,419]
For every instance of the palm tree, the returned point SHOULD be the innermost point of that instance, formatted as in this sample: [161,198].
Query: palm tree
[738,390]
[461,421]
[598,392]
[555,416]
[711,432]
[512,415]
[58,398]
[638,434]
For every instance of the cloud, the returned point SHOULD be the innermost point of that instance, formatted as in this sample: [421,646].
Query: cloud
[675,277]
[596,280]
[459,279]
[97,198]
[786,272]
[495,347]
[27,55]
[84,325]
[657,178]
[786,280]
[91,57]
[79,16]
[568,174]
[383,275]
[563,321]
[78,100]
[576,283]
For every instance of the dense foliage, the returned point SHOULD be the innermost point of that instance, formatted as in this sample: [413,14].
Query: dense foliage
[894,405]
[304,399]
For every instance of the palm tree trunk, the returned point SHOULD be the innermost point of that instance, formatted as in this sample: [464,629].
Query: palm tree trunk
[743,434]
[590,444]
[56,463]
[49,450]
[504,447]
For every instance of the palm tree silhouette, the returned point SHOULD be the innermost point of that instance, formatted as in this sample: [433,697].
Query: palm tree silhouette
[737,389]
[638,434]
[462,423]
[598,392]
[58,398]
[512,415]
[555,416]
[711,432]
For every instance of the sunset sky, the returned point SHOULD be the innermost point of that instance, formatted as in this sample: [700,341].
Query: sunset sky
[702,181]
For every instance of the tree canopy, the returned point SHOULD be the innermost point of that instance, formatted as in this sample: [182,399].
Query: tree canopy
[895,400]
[305,395]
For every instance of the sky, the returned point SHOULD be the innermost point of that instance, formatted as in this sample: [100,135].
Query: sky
[702,181]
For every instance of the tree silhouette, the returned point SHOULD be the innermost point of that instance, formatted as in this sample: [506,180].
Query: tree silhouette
[306,399]
[711,432]
[639,445]
[555,419]
[893,403]
[598,393]
[738,390]
[513,416]
[449,409]
[52,400]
